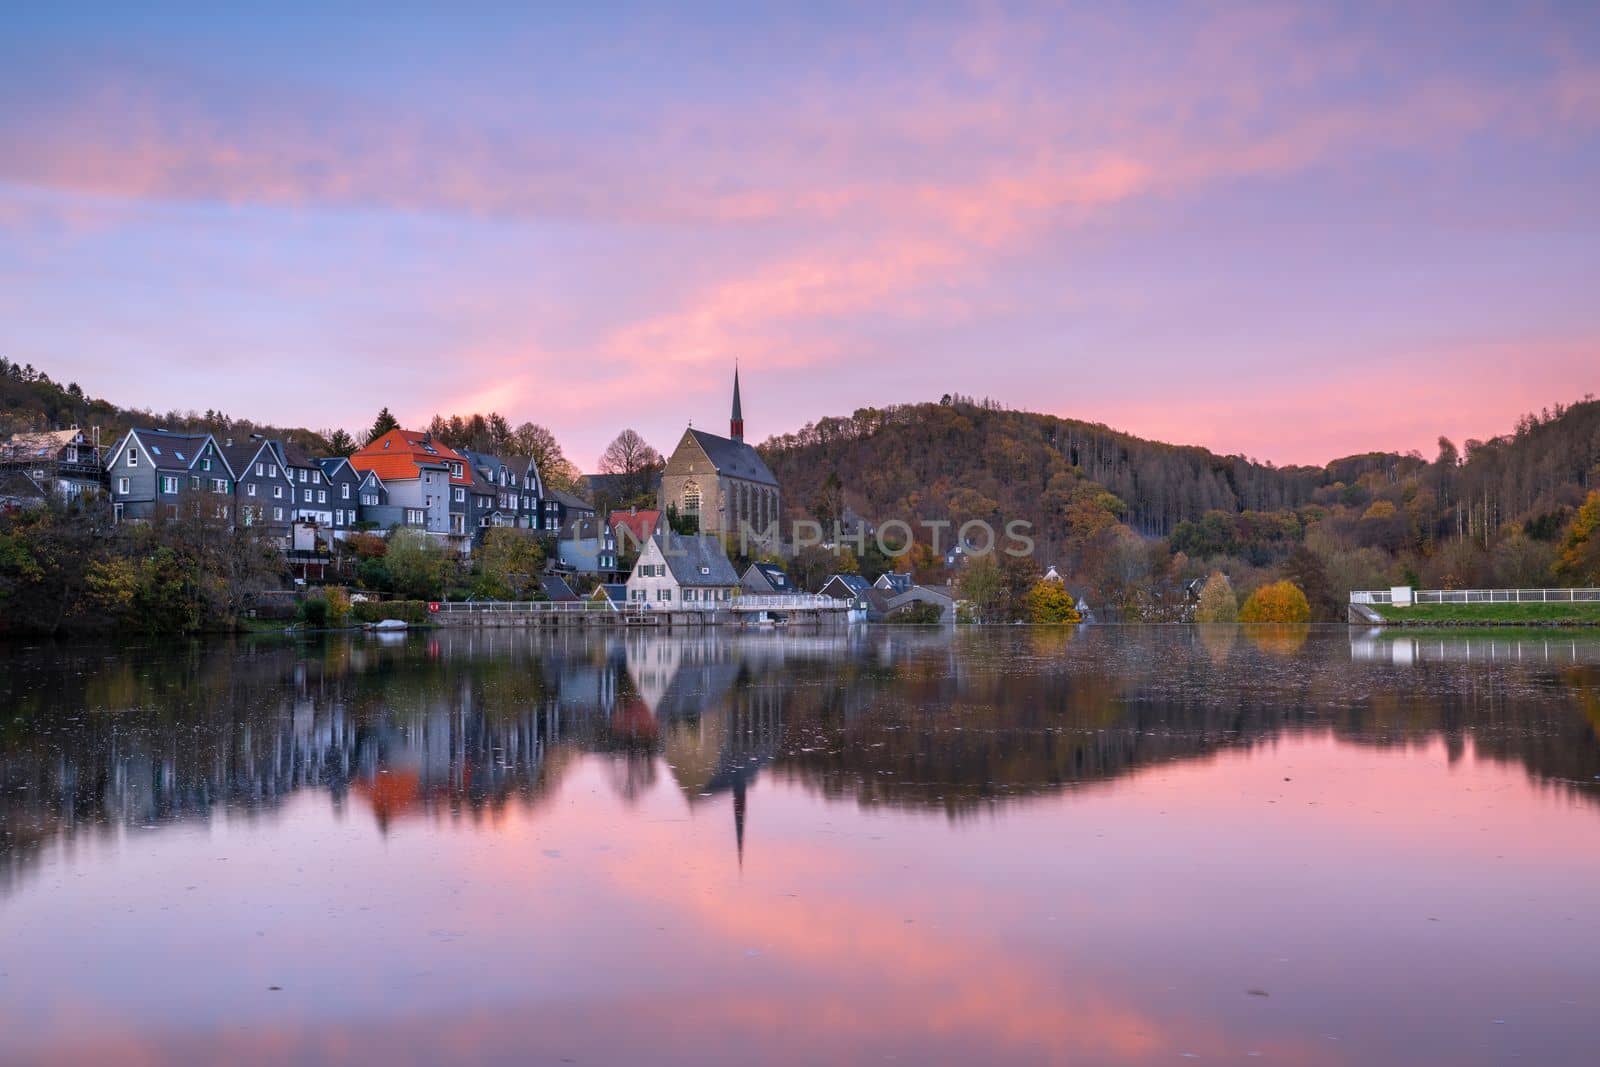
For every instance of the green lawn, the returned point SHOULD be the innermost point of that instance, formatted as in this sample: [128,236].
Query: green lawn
[1567,613]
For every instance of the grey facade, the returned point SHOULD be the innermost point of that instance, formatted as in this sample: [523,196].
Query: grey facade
[155,473]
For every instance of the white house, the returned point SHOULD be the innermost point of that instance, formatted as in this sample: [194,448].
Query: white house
[680,573]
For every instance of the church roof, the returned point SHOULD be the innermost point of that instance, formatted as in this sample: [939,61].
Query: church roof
[733,458]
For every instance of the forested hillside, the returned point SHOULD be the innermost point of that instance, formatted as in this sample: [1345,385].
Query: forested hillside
[1122,515]
[31,400]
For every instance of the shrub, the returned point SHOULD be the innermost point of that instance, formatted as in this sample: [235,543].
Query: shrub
[314,612]
[1279,602]
[412,611]
[1049,603]
[1218,603]
[915,615]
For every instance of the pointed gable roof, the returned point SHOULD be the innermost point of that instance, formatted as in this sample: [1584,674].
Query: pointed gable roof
[696,560]
[400,455]
[736,459]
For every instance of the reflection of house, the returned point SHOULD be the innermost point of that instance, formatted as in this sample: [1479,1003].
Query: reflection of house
[766,578]
[721,482]
[683,574]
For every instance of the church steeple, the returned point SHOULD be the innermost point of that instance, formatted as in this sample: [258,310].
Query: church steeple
[736,420]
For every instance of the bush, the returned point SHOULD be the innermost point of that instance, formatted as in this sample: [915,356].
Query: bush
[412,611]
[1217,600]
[1050,603]
[1279,602]
[915,615]
[314,612]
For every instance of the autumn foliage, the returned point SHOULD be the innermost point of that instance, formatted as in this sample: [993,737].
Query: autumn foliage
[1050,603]
[1279,602]
[1218,603]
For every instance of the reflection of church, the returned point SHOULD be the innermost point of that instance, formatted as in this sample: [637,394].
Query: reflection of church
[718,724]
[721,482]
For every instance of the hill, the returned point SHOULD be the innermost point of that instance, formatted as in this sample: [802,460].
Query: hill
[1488,512]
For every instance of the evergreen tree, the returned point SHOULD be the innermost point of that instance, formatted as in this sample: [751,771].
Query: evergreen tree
[382,425]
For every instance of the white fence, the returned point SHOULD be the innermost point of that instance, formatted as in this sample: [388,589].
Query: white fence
[1480,596]
[788,602]
[536,607]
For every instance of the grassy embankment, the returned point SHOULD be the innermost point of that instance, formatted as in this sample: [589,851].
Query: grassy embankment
[1547,614]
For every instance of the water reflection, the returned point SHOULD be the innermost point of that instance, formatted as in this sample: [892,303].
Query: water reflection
[457,726]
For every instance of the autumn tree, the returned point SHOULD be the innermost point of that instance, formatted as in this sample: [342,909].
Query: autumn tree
[539,444]
[1049,603]
[1578,562]
[418,566]
[980,585]
[1280,602]
[509,564]
[1218,602]
[631,459]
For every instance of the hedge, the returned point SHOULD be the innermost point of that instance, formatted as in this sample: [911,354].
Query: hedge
[412,611]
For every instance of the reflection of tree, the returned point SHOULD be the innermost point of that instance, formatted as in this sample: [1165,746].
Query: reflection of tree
[460,725]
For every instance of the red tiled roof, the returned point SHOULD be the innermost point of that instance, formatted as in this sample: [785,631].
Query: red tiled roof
[641,524]
[396,454]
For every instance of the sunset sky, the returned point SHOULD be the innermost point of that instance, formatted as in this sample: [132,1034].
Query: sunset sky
[1293,232]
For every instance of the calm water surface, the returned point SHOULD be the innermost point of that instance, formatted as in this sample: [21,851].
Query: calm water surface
[1114,846]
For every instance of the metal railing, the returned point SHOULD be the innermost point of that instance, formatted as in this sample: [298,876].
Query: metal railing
[788,602]
[1480,596]
[537,607]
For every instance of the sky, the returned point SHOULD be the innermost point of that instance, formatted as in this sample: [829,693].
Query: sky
[1293,232]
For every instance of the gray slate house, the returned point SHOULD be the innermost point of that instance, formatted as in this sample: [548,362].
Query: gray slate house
[845,586]
[587,546]
[766,578]
[558,507]
[154,472]
[894,583]
[721,481]
[679,573]
[510,488]
[344,489]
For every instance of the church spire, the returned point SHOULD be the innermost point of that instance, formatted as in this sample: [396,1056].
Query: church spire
[736,420]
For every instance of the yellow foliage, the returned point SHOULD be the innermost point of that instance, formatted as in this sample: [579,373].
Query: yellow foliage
[1279,602]
[1050,603]
[1379,509]
[1217,600]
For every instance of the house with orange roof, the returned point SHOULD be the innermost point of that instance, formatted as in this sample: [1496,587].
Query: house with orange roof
[426,482]
[632,528]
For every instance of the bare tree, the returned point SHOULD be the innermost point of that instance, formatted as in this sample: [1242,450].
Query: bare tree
[632,459]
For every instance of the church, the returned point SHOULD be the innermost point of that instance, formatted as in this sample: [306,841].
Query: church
[721,481]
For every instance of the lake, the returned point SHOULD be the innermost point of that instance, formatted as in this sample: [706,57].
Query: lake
[1109,845]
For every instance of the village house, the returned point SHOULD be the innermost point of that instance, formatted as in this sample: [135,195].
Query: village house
[766,578]
[559,506]
[420,477]
[630,529]
[721,483]
[64,462]
[682,573]
[587,546]
[153,472]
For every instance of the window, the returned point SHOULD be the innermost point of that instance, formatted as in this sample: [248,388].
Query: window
[461,495]
[277,514]
[194,481]
[344,491]
[169,483]
[122,486]
[116,512]
[338,517]
[414,516]
[205,464]
[316,477]
[133,456]
[272,470]
[663,594]
[308,496]
[322,496]
[370,499]
[691,594]
[691,499]
[261,468]
[277,492]
[219,485]
[250,490]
